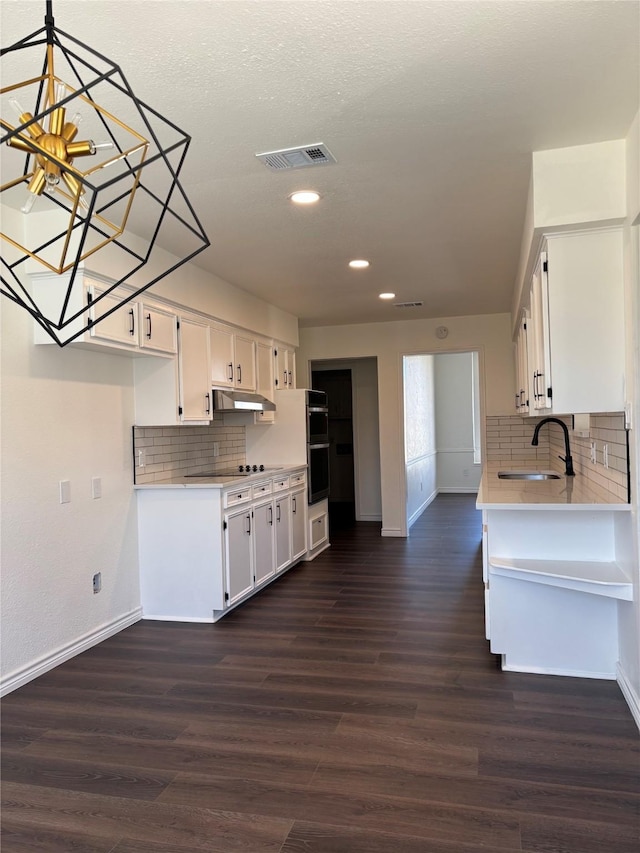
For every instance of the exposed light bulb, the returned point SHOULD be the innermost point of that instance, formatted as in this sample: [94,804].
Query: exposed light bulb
[17,106]
[100,146]
[28,203]
[60,92]
[359,264]
[52,181]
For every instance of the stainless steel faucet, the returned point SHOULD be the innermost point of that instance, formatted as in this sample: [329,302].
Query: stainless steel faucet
[568,461]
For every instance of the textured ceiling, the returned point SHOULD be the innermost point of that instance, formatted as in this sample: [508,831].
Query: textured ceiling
[432,110]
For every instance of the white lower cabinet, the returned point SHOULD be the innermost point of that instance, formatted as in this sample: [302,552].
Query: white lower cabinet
[238,554]
[263,542]
[298,524]
[282,509]
[203,550]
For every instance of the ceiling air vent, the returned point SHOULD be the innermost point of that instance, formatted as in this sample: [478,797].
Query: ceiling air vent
[407,304]
[298,158]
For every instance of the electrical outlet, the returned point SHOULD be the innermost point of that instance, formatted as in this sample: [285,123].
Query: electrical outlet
[141,458]
[593,452]
[216,448]
[605,455]
[65,491]
[97,582]
[96,487]
[465,472]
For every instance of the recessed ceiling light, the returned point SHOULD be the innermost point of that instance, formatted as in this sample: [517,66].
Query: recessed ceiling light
[305,197]
[358,264]
[387,295]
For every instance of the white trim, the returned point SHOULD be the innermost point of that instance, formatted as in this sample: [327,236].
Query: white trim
[543,670]
[44,664]
[631,697]
[454,490]
[369,517]
[393,531]
[311,555]
[153,618]
[414,516]
[457,450]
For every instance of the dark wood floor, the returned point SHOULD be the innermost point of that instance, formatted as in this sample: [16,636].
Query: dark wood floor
[352,707]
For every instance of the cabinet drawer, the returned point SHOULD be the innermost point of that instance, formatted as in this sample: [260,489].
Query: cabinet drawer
[318,531]
[237,496]
[259,489]
[298,479]
[281,484]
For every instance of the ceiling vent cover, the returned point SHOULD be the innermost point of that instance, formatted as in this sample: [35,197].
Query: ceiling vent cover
[298,158]
[408,304]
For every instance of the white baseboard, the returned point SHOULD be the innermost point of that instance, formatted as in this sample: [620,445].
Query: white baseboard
[457,490]
[544,670]
[44,664]
[392,531]
[369,517]
[311,555]
[630,695]
[205,619]
[422,508]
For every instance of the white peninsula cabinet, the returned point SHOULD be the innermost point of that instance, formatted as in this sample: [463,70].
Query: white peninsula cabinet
[574,330]
[204,548]
[556,566]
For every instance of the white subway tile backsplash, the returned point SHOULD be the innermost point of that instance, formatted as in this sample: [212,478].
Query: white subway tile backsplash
[176,451]
[509,439]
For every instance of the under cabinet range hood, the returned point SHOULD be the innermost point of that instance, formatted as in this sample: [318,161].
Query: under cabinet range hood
[241,401]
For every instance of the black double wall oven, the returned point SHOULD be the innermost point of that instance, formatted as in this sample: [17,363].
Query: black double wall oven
[317,412]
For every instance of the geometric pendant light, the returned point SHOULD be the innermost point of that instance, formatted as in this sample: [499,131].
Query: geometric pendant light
[86,167]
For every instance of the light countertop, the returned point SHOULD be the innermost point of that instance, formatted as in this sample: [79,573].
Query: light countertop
[567,493]
[220,482]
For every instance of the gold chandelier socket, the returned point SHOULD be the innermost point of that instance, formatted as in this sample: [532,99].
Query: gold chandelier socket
[20,144]
[69,131]
[80,149]
[73,184]
[34,130]
[37,182]
[56,121]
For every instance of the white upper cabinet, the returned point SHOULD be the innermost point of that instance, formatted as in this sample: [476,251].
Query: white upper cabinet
[122,326]
[233,359]
[522,367]
[158,330]
[194,372]
[265,379]
[285,367]
[245,363]
[576,327]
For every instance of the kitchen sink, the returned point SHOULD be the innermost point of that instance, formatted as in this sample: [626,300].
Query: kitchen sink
[528,475]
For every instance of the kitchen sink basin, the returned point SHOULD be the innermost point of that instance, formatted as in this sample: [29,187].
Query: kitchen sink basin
[528,475]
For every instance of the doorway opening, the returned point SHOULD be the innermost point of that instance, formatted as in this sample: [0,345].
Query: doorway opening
[442,427]
[351,386]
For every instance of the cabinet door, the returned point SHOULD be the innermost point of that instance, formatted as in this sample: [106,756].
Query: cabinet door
[282,508]
[298,524]
[158,330]
[283,368]
[222,369]
[264,379]
[245,363]
[238,554]
[522,368]
[539,350]
[263,542]
[195,381]
[120,327]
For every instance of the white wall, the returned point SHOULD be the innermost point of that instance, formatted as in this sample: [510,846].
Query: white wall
[456,471]
[419,433]
[66,415]
[629,613]
[490,334]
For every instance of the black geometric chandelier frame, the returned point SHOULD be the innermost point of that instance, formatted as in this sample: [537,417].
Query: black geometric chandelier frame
[66,197]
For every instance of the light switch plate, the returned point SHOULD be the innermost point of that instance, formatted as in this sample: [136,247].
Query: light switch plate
[96,487]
